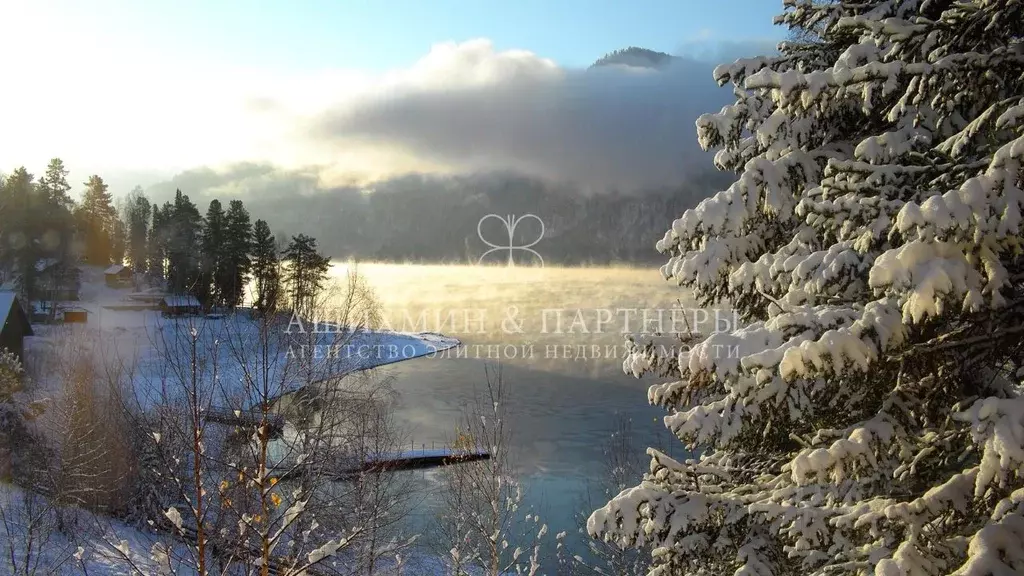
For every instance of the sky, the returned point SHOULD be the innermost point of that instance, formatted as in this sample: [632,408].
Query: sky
[145,90]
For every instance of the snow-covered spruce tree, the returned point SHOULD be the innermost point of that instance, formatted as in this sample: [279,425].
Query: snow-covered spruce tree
[872,420]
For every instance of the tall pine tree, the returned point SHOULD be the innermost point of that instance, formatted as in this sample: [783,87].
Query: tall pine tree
[137,215]
[57,232]
[97,222]
[183,245]
[20,230]
[118,240]
[238,236]
[57,225]
[156,246]
[867,417]
[305,273]
[54,185]
[214,261]
[265,269]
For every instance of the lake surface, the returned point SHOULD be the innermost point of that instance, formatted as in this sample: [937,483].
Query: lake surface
[566,393]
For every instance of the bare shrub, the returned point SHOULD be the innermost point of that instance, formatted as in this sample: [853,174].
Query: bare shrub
[483,526]
[623,459]
[31,545]
[257,447]
[90,462]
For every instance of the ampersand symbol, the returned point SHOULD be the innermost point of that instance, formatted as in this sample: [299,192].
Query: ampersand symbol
[509,325]
[510,222]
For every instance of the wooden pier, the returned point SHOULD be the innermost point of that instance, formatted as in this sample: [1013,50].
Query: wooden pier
[415,460]
[247,418]
[393,462]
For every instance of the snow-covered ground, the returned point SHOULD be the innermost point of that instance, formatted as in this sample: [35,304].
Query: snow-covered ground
[232,360]
[153,349]
[97,545]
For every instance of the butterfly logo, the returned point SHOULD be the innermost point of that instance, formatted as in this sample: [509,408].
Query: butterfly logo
[511,222]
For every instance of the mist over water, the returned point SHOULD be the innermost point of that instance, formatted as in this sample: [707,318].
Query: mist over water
[563,403]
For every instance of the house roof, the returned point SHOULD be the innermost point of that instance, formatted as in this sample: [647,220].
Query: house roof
[115,269]
[180,301]
[9,302]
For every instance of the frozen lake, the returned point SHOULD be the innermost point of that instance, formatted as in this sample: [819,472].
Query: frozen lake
[566,392]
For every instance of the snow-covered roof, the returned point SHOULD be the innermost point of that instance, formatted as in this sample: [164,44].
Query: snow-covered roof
[181,301]
[6,303]
[115,269]
[8,300]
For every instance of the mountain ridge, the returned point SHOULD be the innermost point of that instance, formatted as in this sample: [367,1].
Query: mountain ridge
[636,57]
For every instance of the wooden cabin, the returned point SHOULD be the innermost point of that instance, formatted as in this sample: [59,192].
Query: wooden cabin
[118,276]
[180,305]
[57,280]
[76,316]
[14,325]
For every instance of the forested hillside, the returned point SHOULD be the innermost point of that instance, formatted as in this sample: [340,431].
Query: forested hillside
[434,218]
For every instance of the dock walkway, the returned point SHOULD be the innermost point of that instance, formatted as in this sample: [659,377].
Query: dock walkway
[413,459]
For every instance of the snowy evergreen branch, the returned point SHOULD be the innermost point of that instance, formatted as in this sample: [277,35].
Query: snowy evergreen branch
[868,417]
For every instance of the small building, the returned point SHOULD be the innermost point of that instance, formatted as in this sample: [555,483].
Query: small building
[118,276]
[76,316]
[180,305]
[153,296]
[14,324]
[58,280]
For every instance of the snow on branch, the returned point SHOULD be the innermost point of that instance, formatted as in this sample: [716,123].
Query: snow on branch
[866,417]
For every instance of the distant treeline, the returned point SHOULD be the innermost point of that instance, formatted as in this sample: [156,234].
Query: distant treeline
[212,257]
[163,234]
[434,218]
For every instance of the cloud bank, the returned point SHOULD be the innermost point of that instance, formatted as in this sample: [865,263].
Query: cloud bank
[466,107]
[141,115]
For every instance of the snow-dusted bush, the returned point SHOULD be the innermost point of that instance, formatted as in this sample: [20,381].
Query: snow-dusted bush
[867,418]
[11,420]
[484,527]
